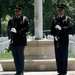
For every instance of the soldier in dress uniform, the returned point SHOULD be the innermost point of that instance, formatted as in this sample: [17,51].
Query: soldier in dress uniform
[61,25]
[18,25]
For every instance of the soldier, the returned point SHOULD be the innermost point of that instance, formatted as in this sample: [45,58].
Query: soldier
[18,25]
[61,25]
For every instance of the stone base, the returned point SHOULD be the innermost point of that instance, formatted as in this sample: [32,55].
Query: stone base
[40,49]
[1,69]
[39,56]
[37,65]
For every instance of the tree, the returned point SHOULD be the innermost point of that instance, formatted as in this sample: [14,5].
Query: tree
[7,8]
[49,10]
[50,7]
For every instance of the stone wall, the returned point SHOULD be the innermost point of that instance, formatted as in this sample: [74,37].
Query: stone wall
[40,49]
[37,65]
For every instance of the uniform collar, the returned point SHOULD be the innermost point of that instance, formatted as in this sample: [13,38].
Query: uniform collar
[61,15]
[18,16]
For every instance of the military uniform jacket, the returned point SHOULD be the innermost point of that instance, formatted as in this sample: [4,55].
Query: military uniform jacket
[65,23]
[19,38]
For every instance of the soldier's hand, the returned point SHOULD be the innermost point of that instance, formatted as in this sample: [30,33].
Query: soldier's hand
[58,27]
[56,38]
[13,30]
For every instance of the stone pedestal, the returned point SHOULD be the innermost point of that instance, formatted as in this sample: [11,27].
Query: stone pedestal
[1,69]
[40,49]
[37,65]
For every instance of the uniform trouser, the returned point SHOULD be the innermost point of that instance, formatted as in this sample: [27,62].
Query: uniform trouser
[18,55]
[61,54]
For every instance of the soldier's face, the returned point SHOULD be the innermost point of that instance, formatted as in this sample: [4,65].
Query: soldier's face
[18,12]
[60,12]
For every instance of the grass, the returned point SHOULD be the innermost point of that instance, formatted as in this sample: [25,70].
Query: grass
[8,55]
[70,55]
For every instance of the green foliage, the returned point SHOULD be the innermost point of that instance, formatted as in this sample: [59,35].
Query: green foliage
[7,55]
[4,25]
[49,10]
[49,7]
[70,55]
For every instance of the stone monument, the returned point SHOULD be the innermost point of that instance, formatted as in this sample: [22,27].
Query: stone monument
[39,48]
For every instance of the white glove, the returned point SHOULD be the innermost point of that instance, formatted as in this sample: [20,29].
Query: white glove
[58,27]
[56,38]
[13,30]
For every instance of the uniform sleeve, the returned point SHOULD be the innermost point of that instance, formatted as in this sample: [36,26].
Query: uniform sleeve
[53,28]
[9,28]
[68,27]
[26,26]
[69,24]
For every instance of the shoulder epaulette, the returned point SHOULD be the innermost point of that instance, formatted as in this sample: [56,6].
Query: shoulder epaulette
[24,17]
[67,18]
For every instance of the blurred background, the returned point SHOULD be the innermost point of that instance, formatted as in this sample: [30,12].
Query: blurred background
[49,10]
